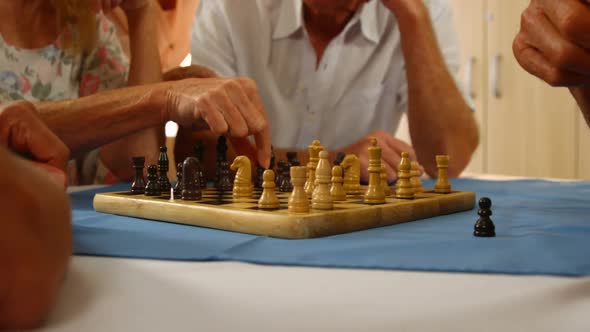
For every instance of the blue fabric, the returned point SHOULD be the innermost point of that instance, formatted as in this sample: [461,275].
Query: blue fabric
[541,228]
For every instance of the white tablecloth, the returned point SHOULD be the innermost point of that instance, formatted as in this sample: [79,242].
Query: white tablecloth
[109,294]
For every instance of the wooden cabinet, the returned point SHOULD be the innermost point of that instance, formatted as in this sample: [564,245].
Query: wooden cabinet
[527,127]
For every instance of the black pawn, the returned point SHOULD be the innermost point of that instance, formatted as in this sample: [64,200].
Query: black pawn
[152,187]
[484,227]
[285,185]
[225,182]
[259,172]
[292,159]
[138,185]
[191,189]
[163,167]
[281,165]
[178,187]
[221,155]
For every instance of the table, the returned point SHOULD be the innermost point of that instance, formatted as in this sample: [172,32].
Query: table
[109,294]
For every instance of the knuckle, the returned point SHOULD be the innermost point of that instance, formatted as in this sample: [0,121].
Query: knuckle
[564,55]
[555,77]
[570,22]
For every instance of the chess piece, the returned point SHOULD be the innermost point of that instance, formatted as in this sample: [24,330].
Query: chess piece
[178,187]
[415,179]
[337,189]
[292,159]
[403,186]
[322,198]
[199,154]
[285,184]
[191,188]
[259,174]
[163,166]
[152,188]
[268,199]
[484,227]
[339,158]
[384,182]
[352,174]
[298,201]
[314,151]
[225,179]
[243,187]
[442,185]
[280,172]
[138,185]
[221,148]
[374,193]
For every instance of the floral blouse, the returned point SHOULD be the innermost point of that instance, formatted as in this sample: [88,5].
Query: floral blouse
[51,73]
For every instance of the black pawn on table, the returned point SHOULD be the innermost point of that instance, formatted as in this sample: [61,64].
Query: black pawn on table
[138,185]
[292,159]
[152,187]
[163,167]
[225,182]
[280,172]
[191,189]
[484,227]
[339,158]
[178,187]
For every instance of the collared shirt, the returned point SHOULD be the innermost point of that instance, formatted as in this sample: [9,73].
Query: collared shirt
[358,87]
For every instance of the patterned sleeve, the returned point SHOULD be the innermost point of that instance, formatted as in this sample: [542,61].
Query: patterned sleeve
[106,66]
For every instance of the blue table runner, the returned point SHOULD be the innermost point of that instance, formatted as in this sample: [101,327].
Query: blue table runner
[541,228]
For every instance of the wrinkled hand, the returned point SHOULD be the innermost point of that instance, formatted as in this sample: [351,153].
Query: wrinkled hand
[554,41]
[226,106]
[391,149]
[192,71]
[23,132]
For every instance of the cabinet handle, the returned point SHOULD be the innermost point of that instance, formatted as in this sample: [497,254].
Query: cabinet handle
[495,76]
[468,78]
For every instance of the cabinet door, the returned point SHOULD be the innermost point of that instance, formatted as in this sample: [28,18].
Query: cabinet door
[531,127]
[471,29]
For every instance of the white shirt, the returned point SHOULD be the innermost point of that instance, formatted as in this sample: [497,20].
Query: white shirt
[359,86]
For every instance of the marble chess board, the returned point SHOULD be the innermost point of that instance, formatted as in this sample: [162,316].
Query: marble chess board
[219,210]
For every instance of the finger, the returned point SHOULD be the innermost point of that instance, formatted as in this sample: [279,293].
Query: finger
[54,173]
[249,87]
[249,112]
[263,146]
[236,123]
[192,71]
[535,63]
[391,173]
[209,113]
[570,17]
[401,146]
[541,34]
[391,159]
[243,147]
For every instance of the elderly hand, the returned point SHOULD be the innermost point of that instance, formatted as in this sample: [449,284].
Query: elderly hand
[108,5]
[23,132]
[226,106]
[391,150]
[554,41]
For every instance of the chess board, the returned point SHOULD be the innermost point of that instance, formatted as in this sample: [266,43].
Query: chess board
[220,211]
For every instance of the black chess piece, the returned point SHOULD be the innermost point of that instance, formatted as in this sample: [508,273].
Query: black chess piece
[191,189]
[280,172]
[272,158]
[285,185]
[138,185]
[225,182]
[292,159]
[178,187]
[259,172]
[484,227]
[221,155]
[200,153]
[339,158]
[163,166]
[152,188]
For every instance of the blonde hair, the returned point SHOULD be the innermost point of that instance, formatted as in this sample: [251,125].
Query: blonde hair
[78,19]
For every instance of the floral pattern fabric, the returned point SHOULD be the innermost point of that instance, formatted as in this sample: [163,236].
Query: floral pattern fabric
[52,73]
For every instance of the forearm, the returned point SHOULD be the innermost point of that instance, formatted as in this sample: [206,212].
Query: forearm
[87,123]
[440,120]
[582,96]
[144,68]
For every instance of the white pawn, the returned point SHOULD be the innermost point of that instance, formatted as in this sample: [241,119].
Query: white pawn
[268,199]
[337,190]
[298,201]
[321,198]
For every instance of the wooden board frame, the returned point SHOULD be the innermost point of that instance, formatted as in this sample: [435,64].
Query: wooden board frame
[243,215]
